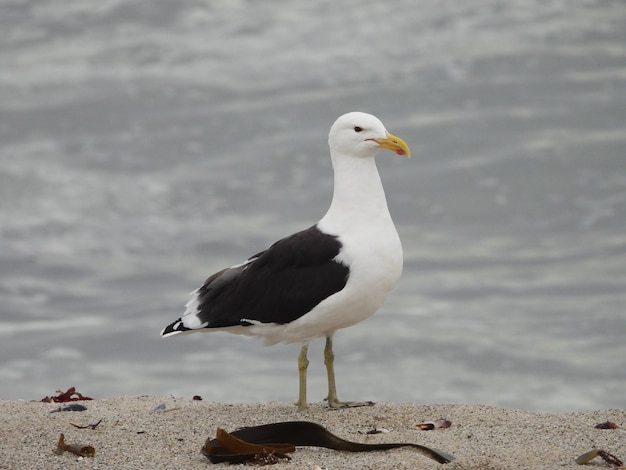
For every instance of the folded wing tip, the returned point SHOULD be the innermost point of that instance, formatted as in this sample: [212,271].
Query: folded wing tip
[173,329]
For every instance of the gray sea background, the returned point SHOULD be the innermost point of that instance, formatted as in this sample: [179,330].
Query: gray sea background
[146,144]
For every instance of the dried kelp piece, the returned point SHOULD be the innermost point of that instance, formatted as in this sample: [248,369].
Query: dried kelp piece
[593,453]
[72,407]
[230,441]
[66,396]
[228,448]
[294,433]
[80,450]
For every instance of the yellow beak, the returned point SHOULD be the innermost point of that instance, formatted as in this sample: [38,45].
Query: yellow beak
[395,144]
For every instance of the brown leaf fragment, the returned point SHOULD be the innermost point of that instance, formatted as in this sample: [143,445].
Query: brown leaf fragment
[80,450]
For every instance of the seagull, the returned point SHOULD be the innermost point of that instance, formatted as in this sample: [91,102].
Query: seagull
[329,276]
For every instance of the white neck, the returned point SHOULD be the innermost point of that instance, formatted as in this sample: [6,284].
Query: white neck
[358,196]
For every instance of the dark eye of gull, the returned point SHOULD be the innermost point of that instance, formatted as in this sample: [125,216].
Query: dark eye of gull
[358,129]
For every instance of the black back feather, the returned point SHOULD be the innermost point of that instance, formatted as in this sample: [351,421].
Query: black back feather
[277,285]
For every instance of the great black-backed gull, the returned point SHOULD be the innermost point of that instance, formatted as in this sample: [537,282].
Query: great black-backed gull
[330,276]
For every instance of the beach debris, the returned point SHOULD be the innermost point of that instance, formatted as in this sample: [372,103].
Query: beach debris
[162,408]
[69,395]
[159,408]
[376,431]
[267,458]
[92,426]
[593,453]
[228,448]
[436,424]
[242,445]
[72,407]
[607,425]
[80,450]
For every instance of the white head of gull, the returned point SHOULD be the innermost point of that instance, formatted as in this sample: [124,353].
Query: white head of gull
[332,275]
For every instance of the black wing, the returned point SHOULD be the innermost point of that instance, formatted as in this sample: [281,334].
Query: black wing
[278,285]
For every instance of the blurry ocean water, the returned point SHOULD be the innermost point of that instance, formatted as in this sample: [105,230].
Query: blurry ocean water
[145,145]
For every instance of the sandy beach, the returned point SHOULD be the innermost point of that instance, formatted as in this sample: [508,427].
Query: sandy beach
[132,435]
